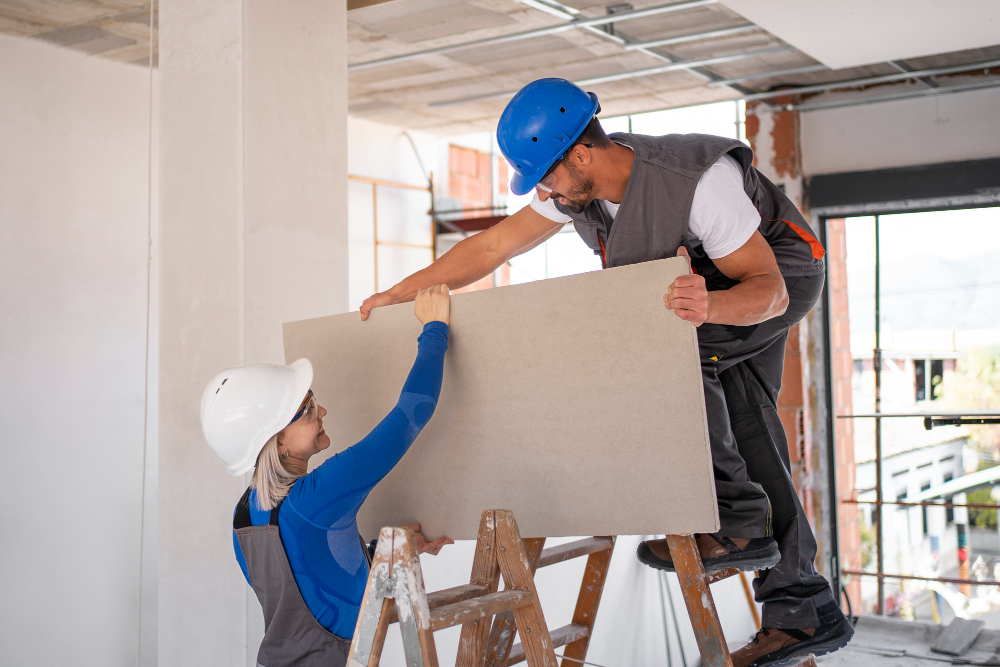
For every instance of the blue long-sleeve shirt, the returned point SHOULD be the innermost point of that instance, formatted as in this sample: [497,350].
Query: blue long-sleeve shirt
[318,519]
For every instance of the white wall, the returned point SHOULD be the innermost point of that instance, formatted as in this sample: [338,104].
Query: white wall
[254,233]
[74,156]
[945,128]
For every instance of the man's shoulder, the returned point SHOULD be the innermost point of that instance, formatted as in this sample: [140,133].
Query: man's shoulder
[686,154]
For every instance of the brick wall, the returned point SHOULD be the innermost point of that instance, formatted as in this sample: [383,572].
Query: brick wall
[777,153]
[793,411]
[842,369]
[469,178]
[471,182]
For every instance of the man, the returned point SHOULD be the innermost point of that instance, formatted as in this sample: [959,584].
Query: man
[757,271]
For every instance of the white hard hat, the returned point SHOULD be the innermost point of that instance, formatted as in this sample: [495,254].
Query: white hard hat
[243,407]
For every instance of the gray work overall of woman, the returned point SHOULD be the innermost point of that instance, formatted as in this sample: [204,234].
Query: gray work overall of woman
[295,532]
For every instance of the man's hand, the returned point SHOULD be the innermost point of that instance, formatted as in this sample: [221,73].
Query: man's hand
[431,547]
[687,295]
[377,301]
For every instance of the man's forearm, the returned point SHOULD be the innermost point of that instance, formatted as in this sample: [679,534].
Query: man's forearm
[471,259]
[752,301]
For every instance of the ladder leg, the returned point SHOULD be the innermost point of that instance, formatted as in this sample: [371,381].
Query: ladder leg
[411,602]
[699,602]
[373,618]
[531,626]
[485,572]
[502,633]
[388,605]
[587,603]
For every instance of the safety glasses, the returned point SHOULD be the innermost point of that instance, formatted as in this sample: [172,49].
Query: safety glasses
[308,411]
[546,180]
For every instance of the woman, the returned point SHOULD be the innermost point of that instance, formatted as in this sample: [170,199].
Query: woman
[310,573]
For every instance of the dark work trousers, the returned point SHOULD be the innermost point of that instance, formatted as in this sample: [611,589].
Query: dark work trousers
[741,368]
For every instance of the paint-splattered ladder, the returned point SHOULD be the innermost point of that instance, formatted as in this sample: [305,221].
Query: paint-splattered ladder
[395,593]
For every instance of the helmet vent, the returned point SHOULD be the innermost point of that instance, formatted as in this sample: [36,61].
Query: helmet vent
[534,138]
[562,109]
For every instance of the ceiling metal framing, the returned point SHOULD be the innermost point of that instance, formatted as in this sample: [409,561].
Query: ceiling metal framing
[573,24]
[452,88]
[670,67]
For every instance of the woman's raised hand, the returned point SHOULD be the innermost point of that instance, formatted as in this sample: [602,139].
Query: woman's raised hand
[433,304]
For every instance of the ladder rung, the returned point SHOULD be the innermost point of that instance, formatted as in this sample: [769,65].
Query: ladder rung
[567,634]
[478,608]
[447,596]
[722,574]
[588,545]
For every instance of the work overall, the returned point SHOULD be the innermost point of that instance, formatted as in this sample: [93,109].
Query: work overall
[292,635]
[741,366]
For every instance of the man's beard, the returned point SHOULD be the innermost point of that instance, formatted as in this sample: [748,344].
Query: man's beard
[579,197]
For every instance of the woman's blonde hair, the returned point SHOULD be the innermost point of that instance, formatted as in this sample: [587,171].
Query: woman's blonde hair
[270,478]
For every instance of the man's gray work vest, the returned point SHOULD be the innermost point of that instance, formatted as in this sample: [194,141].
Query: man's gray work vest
[652,221]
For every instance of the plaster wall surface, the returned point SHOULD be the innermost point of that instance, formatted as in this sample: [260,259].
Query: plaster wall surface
[946,128]
[74,211]
[254,210]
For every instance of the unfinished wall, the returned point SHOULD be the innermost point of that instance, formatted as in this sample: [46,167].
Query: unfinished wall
[384,152]
[946,128]
[254,233]
[843,429]
[778,154]
[74,195]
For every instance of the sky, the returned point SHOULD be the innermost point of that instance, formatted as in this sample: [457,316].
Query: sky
[939,271]
[951,235]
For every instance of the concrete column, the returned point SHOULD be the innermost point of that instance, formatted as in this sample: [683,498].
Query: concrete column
[253,233]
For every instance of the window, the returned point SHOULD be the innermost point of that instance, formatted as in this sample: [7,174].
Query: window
[923,508]
[937,375]
[927,377]
[920,378]
[949,512]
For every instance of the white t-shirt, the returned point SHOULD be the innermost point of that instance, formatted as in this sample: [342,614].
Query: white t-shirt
[722,216]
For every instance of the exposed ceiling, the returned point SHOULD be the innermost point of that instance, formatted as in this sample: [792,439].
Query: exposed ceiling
[449,66]
[115,29]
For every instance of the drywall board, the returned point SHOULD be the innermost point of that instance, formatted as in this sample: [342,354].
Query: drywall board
[575,402]
[849,33]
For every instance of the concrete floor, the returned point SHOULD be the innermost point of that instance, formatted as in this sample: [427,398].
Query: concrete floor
[899,643]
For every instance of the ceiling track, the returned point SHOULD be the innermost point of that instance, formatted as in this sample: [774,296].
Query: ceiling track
[769,75]
[574,24]
[649,71]
[871,99]
[873,80]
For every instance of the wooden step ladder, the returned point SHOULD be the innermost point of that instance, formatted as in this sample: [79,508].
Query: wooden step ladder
[395,593]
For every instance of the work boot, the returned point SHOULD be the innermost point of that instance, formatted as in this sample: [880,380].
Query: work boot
[717,553]
[772,647]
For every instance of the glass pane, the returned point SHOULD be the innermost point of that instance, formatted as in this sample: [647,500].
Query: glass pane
[939,332]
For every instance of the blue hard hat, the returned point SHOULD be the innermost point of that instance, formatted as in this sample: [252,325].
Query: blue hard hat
[539,125]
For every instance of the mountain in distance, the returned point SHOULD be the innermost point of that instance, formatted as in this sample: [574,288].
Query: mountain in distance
[929,292]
